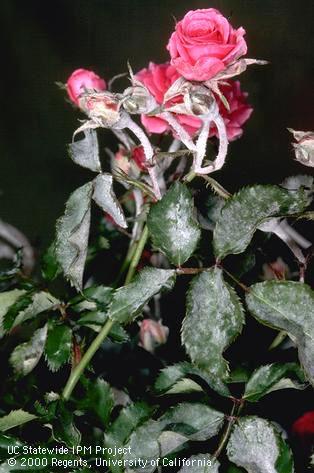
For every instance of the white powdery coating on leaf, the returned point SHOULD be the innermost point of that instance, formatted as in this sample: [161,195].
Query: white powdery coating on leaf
[105,197]
[41,302]
[245,211]
[253,445]
[85,152]
[26,356]
[214,318]
[72,234]
[172,224]
[288,306]
[128,301]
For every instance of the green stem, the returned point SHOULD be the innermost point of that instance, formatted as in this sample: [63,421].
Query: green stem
[137,255]
[226,434]
[78,370]
[189,177]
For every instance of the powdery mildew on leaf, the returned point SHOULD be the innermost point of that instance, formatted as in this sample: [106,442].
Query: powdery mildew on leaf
[26,356]
[213,320]
[202,463]
[184,422]
[128,301]
[269,378]
[41,302]
[246,210]
[106,199]
[85,152]
[72,234]
[255,445]
[172,224]
[14,419]
[288,306]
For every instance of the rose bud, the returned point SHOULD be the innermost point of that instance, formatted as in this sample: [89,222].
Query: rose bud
[82,80]
[137,99]
[121,160]
[204,44]
[152,334]
[102,107]
[304,148]
[199,100]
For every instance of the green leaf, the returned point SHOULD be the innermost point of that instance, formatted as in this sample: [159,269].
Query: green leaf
[177,378]
[64,429]
[246,210]
[72,234]
[25,357]
[172,224]
[256,446]
[7,299]
[106,199]
[202,463]
[7,442]
[184,422]
[214,319]
[99,399]
[128,301]
[272,378]
[50,267]
[58,345]
[85,152]
[40,302]
[119,432]
[14,419]
[288,306]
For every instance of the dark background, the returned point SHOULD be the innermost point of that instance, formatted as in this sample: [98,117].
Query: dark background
[44,42]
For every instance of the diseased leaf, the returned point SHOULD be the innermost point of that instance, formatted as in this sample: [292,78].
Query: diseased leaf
[246,210]
[202,463]
[214,319]
[266,379]
[7,299]
[58,345]
[106,199]
[119,432]
[85,152]
[40,302]
[25,357]
[288,306]
[171,378]
[184,422]
[128,301]
[172,224]
[72,234]
[256,446]
[14,419]
[64,429]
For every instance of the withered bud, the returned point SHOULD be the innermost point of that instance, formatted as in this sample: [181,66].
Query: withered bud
[102,107]
[199,100]
[304,147]
[138,100]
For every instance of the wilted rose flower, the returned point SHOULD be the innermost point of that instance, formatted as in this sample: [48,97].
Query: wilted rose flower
[159,77]
[121,160]
[102,107]
[152,334]
[304,147]
[82,80]
[276,270]
[204,44]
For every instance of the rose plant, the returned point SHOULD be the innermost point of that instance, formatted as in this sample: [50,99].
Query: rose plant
[197,411]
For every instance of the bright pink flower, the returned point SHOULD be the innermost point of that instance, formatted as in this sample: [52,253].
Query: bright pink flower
[82,79]
[204,44]
[158,78]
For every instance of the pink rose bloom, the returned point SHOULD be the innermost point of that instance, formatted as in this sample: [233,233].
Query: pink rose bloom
[204,44]
[82,79]
[158,78]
